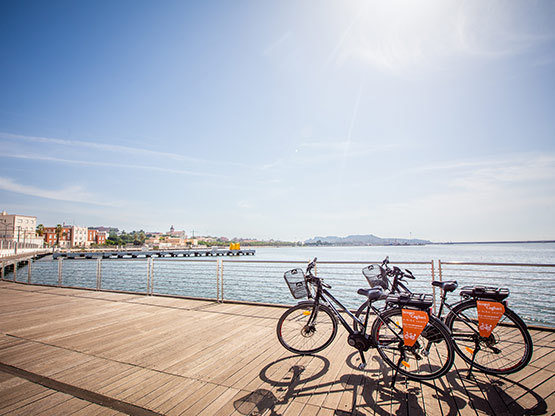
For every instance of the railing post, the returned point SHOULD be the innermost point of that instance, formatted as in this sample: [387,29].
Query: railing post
[29,271]
[150,289]
[433,287]
[59,272]
[98,274]
[440,272]
[149,273]
[218,280]
[221,285]
[15,270]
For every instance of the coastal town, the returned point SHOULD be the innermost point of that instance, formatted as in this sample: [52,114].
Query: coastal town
[22,232]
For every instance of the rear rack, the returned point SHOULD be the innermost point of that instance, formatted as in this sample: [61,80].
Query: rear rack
[415,300]
[485,292]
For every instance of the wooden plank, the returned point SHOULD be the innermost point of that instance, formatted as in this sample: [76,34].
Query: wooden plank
[72,405]
[19,395]
[178,356]
[42,405]
[172,398]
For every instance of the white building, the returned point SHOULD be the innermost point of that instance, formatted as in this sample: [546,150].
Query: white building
[18,232]
[79,236]
[19,228]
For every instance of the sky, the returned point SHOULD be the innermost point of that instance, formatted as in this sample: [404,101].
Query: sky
[281,119]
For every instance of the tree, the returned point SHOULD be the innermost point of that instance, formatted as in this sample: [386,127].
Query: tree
[59,233]
[113,239]
[40,230]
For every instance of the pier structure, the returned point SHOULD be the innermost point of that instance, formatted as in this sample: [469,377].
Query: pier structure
[13,261]
[121,254]
[81,352]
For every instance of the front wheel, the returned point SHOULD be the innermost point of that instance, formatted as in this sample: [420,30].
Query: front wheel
[304,330]
[431,356]
[506,350]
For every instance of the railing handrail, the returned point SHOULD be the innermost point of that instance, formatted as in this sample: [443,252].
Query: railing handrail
[235,260]
[463,263]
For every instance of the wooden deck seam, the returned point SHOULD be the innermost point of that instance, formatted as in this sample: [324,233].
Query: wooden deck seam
[84,394]
[133,365]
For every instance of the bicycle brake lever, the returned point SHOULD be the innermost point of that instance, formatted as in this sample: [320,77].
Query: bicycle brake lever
[409,274]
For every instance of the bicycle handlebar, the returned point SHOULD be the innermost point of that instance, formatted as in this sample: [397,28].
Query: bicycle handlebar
[396,272]
[314,279]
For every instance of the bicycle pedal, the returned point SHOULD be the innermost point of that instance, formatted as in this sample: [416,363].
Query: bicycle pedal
[362,366]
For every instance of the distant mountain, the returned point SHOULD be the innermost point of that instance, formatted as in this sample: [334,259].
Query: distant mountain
[363,240]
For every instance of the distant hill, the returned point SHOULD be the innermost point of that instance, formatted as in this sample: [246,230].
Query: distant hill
[363,240]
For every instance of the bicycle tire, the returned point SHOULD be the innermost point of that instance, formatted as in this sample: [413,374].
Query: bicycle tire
[432,355]
[296,336]
[507,350]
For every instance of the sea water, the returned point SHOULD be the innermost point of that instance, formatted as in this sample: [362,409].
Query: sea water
[259,278]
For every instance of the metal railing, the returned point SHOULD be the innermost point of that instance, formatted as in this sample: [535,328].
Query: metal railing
[261,281]
[531,285]
[220,279]
[11,248]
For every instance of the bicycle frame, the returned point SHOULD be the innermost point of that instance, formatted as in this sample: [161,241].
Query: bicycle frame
[322,293]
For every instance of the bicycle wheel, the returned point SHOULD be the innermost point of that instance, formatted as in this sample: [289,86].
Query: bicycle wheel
[508,349]
[299,331]
[431,356]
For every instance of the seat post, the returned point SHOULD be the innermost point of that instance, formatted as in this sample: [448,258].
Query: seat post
[443,299]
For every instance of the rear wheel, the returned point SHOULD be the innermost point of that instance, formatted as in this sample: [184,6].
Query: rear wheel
[431,356]
[303,331]
[508,349]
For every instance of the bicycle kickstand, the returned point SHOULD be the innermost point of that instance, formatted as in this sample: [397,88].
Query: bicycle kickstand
[362,365]
[468,376]
[396,372]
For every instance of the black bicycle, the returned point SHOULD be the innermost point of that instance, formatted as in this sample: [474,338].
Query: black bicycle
[487,334]
[418,345]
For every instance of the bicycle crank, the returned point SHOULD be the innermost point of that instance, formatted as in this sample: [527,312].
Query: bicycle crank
[359,341]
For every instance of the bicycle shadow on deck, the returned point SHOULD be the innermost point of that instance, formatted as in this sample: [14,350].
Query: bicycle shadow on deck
[484,391]
[370,391]
[300,376]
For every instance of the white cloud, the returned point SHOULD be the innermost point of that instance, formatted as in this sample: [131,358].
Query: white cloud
[499,171]
[398,35]
[70,193]
[112,165]
[98,146]
[270,49]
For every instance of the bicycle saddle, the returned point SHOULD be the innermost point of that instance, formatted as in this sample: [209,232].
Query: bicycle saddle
[447,286]
[372,294]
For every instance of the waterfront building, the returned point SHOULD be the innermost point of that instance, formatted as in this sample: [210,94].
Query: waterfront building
[21,229]
[96,237]
[78,236]
[74,236]
[63,240]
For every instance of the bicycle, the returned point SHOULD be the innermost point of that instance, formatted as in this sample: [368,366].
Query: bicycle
[421,349]
[486,333]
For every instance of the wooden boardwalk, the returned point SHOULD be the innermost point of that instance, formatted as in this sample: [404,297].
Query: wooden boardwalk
[78,352]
